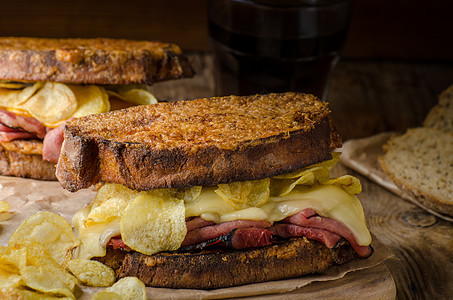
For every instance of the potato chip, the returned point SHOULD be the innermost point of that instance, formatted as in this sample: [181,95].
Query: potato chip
[106,295]
[139,97]
[245,194]
[282,187]
[54,102]
[9,279]
[28,265]
[188,195]
[26,294]
[38,256]
[134,94]
[12,85]
[152,223]
[109,203]
[13,98]
[129,288]
[91,99]
[27,271]
[10,262]
[45,280]
[328,164]
[347,183]
[4,206]
[4,213]
[91,272]
[12,259]
[50,230]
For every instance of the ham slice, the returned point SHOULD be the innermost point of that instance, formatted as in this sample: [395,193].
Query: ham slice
[238,238]
[52,143]
[116,242]
[27,124]
[252,237]
[309,218]
[211,232]
[241,234]
[197,222]
[13,127]
[328,238]
[8,134]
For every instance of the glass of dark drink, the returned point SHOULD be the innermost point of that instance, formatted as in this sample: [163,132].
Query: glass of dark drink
[276,45]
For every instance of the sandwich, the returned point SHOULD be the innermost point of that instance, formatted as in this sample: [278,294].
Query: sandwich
[45,82]
[214,193]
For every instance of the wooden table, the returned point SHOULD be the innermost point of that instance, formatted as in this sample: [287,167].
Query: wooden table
[368,97]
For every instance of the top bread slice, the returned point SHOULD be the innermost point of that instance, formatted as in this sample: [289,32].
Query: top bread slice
[421,162]
[90,61]
[441,116]
[199,142]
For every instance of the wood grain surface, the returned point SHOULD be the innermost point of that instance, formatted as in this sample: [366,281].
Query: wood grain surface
[368,97]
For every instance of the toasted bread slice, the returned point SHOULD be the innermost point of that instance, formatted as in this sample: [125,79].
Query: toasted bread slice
[23,158]
[420,161]
[90,61]
[200,142]
[220,269]
[441,116]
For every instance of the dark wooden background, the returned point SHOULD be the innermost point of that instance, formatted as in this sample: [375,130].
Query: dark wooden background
[396,29]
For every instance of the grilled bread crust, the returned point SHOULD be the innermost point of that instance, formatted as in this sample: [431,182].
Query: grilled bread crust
[200,142]
[211,269]
[90,61]
[22,158]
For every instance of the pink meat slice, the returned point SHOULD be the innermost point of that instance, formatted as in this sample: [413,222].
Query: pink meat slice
[8,134]
[309,218]
[326,237]
[202,234]
[52,143]
[28,124]
[251,237]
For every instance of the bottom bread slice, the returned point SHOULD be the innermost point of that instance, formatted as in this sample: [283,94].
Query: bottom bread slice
[219,269]
[19,158]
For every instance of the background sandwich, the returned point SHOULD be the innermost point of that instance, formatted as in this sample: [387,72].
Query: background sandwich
[214,192]
[45,82]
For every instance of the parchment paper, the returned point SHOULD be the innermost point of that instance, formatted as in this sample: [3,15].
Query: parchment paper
[362,155]
[28,197]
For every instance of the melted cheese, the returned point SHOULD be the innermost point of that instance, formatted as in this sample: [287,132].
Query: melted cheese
[94,238]
[327,200]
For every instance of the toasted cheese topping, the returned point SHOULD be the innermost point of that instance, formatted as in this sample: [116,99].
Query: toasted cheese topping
[226,122]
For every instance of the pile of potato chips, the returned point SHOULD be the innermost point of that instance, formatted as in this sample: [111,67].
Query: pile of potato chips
[52,103]
[38,264]
[245,194]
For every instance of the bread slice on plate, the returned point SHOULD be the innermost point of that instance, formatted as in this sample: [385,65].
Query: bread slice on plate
[441,116]
[421,162]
